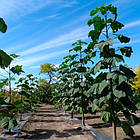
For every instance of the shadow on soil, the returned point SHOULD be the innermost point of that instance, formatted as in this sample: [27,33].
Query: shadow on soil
[49,115]
[100,125]
[45,134]
[88,117]
[134,138]
[47,121]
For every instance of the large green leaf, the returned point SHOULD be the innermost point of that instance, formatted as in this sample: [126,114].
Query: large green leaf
[96,68]
[3,26]
[98,23]
[127,129]
[133,120]
[94,34]
[100,77]
[106,116]
[93,12]
[122,78]
[93,89]
[115,26]
[129,73]
[102,44]
[77,48]
[14,55]
[8,123]
[17,69]
[123,39]
[119,93]
[5,59]
[126,51]
[102,86]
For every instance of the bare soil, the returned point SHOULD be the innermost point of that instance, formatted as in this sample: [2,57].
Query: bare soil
[97,123]
[49,123]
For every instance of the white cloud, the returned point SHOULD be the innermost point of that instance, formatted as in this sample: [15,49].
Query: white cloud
[35,59]
[35,67]
[18,8]
[48,17]
[133,24]
[80,33]
[68,4]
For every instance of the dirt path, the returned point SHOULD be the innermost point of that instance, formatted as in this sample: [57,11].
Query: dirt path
[48,123]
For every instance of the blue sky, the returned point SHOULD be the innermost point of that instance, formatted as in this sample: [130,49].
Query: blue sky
[42,31]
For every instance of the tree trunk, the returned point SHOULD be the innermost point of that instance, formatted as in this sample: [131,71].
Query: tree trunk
[83,118]
[114,131]
[10,90]
[72,114]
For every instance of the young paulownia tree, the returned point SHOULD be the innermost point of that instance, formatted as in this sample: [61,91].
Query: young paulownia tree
[111,88]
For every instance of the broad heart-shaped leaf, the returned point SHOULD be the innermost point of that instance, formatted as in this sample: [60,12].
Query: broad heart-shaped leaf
[3,26]
[17,69]
[103,43]
[99,23]
[5,59]
[14,55]
[96,68]
[77,48]
[119,93]
[102,86]
[123,39]
[94,34]
[122,78]
[126,51]
[106,116]
[127,129]
[93,89]
[129,73]
[112,9]
[133,120]
[100,77]
[8,123]
[116,59]
[81,69]
[115,26]
[93,12]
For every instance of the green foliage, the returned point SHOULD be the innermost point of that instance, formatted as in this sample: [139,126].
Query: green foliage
[27,86]
[127,129]
[17,69]
[111,90]
[8,123]
[5,59]
[74,80]
[3,26]
[44,91]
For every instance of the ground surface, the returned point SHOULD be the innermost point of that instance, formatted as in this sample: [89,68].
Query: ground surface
[97,123]
[48,123]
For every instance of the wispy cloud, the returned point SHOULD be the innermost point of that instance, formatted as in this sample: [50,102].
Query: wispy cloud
[18,8]
[38,58]
[68,4]
[133,24]
[48,17]
[80,33]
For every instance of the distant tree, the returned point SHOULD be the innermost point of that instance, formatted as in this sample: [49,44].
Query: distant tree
[137,80]
[48,69]
[45,86]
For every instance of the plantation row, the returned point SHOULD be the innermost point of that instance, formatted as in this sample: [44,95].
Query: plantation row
[93,77]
